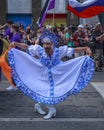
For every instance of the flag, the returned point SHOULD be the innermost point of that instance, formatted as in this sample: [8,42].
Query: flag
[87,9]
[50,4]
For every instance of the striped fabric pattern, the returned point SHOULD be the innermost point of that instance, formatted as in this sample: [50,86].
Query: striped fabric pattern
[87,9]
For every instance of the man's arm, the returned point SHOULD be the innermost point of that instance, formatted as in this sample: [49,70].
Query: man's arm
[3,26]
[20,45]
[99,37]
[86,49]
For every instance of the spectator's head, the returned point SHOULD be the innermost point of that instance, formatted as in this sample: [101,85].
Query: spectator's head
[9,23]
[80,27]
[14,28]
[66,29]
[98,27]
[73,28]
[28,31]
[70,30]
[50,28]
[21,26]
[39,33]
[55,30]
[28,27]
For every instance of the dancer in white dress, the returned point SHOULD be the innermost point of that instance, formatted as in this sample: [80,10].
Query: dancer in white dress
[47,79]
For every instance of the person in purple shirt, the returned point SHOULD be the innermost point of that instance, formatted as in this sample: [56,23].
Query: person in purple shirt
[16,38]
[16,35]
[8,34]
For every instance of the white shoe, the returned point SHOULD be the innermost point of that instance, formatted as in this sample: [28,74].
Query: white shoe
[11,88]
[52,113]
[38,109]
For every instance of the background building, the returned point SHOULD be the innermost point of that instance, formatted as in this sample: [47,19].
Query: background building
[2,11]
[21,11]
[58,14]
[28,11]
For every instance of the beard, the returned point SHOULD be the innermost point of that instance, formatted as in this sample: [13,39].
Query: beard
[48,50]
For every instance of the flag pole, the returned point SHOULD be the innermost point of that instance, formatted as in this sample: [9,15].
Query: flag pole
[53,17]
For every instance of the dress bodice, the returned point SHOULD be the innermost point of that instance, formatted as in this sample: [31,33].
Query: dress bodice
[49,61]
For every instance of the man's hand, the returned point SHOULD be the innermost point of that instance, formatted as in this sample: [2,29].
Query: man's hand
[20,45]
[88,51]
[99,37]
[12,45]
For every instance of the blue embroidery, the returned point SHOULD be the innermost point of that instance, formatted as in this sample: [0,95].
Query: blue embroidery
[52,36]
[85,76]
[50,62]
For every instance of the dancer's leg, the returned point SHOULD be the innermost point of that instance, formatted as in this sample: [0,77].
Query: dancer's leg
[38,108]
[51,113]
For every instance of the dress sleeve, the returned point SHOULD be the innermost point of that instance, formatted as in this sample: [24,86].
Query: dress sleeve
[66,51]
[34,50]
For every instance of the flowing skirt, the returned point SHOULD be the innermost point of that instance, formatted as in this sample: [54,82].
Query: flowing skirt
[32,78]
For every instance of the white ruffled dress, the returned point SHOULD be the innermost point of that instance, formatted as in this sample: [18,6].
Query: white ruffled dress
[48,80]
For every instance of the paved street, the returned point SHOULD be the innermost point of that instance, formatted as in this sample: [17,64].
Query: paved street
[84,111]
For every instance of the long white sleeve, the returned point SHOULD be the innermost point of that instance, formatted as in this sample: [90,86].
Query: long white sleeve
[65,51]
[34,50]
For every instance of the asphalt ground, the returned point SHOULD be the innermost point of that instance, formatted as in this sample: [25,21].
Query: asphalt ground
[84,111]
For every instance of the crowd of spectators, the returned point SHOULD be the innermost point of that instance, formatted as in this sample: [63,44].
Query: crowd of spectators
[72,36]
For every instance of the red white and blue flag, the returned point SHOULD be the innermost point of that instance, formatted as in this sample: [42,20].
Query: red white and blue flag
[49,4]
[87,9]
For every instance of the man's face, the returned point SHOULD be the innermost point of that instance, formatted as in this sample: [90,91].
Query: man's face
[38,34]
[48,47]
[12,30]
[80,29]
